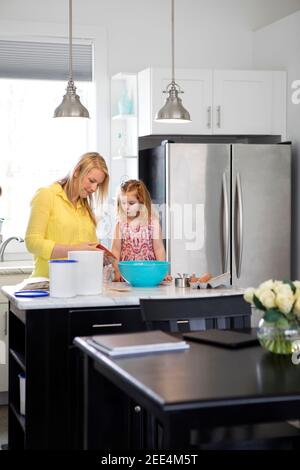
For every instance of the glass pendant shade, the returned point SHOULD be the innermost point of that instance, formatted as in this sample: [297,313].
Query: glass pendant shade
[70,105]
[173,111]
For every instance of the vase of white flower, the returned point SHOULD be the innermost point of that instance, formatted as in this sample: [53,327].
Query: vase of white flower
[279,329]
[278,340]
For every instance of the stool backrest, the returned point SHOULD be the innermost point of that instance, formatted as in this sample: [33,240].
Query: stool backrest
[195,313]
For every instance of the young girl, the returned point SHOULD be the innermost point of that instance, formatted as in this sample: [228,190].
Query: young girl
[137,234]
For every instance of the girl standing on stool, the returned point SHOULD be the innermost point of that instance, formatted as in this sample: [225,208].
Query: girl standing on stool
[137,234]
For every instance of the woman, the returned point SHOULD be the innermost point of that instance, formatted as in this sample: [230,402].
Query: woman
[61,216]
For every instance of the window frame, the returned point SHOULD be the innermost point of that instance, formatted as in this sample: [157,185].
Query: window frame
[54,32]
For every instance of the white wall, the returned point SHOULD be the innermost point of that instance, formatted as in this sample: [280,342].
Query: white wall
[278,46]
[207,34]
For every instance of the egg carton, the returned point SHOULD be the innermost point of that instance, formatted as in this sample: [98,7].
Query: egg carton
[198,285]
[217,281]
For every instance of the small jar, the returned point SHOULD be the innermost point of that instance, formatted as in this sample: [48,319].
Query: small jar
[182,282]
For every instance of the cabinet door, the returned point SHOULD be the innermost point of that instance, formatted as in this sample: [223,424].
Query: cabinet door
[242,102]
[3,347]
[197,99]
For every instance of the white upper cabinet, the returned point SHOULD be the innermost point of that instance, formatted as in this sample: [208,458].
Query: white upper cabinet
[197,99]
[219,101]
[243,101]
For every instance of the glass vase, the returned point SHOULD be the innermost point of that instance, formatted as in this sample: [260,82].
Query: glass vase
[279,340]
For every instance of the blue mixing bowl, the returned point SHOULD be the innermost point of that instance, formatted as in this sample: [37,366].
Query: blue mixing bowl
[144,273]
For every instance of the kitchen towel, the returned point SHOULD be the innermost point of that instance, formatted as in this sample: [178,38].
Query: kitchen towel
[89,272]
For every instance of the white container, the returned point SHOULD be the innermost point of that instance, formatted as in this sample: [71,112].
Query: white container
[22,382]
[89,272]
[63,277]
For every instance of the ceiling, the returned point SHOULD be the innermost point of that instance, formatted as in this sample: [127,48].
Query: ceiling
[250,14]
[259,13]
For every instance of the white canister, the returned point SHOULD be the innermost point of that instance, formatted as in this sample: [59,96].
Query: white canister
[89,272]
[62,277]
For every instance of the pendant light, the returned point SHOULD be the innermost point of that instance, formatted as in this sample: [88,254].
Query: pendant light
[70,105]
[173,110]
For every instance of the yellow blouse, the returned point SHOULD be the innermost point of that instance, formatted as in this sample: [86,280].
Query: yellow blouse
[54,219]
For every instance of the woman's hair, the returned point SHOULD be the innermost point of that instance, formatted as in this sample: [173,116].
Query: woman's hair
[87,162]
[142,195]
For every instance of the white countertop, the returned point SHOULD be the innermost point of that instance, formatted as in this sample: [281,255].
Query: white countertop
[111,297]
[16,267]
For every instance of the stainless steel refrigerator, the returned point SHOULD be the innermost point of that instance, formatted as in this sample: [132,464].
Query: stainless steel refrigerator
[223,207]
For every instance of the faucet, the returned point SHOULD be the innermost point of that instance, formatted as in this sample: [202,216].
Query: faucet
[5,243]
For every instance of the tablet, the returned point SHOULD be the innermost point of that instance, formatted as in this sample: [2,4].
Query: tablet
[224,338]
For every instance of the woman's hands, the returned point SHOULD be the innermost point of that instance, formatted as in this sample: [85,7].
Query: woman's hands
[86,246]
[61,251]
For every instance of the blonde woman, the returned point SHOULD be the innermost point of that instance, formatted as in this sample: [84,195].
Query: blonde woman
[137,234]
[62,217]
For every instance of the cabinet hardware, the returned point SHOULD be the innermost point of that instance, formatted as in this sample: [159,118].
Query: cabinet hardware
[137,409]
[208,124]
[219,116]
[104,325]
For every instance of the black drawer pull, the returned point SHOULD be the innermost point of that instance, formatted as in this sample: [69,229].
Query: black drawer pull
[105,325]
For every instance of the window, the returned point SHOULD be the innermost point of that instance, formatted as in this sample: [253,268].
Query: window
[36,149]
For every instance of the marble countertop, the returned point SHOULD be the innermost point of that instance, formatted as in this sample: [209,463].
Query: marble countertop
[16,267]
[112,297]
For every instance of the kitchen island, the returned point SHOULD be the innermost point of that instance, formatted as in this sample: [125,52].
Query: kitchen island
[41,333]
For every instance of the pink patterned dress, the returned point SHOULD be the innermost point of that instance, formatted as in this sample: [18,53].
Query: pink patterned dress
[136,242]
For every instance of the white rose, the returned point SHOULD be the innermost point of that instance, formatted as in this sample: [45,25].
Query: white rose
[267,298]
[297,293]
[284,289]
[296,284]
[266,285]
[297,307]
[260,290]
[248,295]
[284,301]
[277,286]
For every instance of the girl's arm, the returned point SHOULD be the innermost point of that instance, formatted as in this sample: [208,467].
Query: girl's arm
[158,246]
[116,250]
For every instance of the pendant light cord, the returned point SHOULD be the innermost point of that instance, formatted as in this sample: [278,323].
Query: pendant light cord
[70,42]
[70,105]
[172,40]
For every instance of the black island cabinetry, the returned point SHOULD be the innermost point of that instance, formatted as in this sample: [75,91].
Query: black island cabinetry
[41,347]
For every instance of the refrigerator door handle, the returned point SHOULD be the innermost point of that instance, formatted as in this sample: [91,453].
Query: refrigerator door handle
[239,225]
[225,223]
